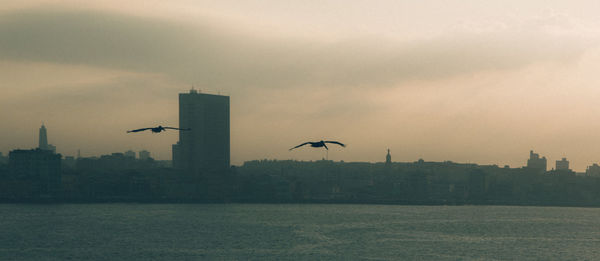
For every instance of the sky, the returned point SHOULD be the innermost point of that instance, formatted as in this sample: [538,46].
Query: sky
[460,80]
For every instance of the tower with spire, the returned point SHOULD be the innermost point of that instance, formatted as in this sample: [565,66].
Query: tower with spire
[43,140]
[388,158]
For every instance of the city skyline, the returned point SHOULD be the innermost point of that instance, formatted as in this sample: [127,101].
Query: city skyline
[438,80]
[201,110]
[205,109]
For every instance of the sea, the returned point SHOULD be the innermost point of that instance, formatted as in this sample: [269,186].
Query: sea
[296,232]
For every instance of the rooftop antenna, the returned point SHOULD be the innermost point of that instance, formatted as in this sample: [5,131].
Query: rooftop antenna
[193,90]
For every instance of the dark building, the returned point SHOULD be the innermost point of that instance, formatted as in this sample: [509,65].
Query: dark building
[562,165]
[39,168]
[205,148]
[113,162]
[593,170]
[69,162]
[43,140]
[144,155]
[388,158]
[3,159]
[536,163]
[130,154]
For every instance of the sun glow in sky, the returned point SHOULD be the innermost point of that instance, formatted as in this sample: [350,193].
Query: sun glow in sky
[466,81]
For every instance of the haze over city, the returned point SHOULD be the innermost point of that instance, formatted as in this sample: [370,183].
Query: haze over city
[465,81]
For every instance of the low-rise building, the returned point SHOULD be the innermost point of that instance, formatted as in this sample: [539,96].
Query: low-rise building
[536,163]
[562,165]
[39,168]
[593,170]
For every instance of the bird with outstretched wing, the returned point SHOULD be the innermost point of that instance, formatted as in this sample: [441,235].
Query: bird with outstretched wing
[335,142]
[138,130]
[300,145]
[319,144]
[157,129]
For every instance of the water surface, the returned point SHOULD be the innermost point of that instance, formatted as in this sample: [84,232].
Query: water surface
[308,232]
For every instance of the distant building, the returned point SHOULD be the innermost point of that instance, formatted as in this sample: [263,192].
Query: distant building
[69,162]
[205,148]
[164,163]
[130,153]
[536,163]
[42,168]
[3,159]
[115,162]
[43,140]
[593,170]
[143,155]
[112,162]
[562,164]
[388,158]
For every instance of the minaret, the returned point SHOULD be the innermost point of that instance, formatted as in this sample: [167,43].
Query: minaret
[388,158]
[43,141]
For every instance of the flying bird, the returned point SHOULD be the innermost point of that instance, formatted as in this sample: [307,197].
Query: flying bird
[157,129]
[319,144]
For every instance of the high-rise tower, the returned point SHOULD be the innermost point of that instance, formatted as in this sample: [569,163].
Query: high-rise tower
[388,158]
[204,148]
[43,140]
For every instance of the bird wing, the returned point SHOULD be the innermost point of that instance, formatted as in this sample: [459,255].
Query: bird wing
[142,129]
[173,128]
[335,142]
[300,145]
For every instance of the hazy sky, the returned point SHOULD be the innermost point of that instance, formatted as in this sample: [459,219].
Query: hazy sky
[464,80]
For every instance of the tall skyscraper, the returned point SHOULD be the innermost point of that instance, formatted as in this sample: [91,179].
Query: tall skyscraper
[204,148]
[43,140]
[388,158]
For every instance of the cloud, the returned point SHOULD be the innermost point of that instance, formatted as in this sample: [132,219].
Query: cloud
[229,59]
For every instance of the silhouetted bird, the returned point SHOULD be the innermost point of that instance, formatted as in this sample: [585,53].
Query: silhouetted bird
[319,144]
[157,129]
